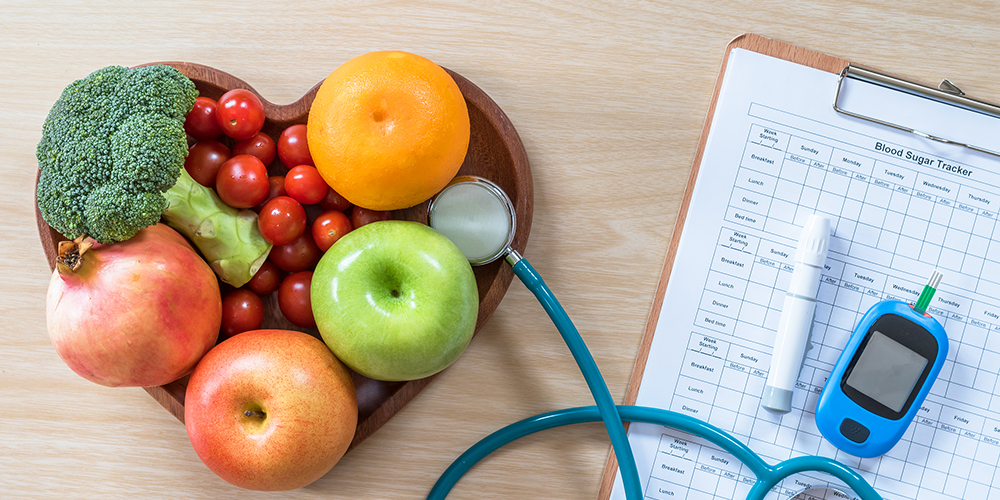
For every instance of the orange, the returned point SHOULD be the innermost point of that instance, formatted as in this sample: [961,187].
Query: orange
[388,130]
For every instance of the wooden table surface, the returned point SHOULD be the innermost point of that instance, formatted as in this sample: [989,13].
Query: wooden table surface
[609,100]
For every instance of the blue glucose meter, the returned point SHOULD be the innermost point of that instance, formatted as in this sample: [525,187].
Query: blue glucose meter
[881,378]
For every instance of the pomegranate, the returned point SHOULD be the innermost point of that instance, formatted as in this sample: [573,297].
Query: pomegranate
[138,313]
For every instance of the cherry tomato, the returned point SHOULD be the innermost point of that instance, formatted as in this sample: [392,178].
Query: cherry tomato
[305,185]
[204,160]
[281,221]
[293,299]
[329,227]
[242,181]
[242,310]
[276,188]
[361,216]
[201,123]
[260,145]
[333,201]
[293,150]
[240,114]
[267,279]
[298,255]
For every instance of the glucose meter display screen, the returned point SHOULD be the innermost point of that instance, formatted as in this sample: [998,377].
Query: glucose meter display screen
[886,371]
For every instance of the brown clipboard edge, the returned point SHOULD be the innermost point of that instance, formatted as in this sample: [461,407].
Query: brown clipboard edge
[748,41]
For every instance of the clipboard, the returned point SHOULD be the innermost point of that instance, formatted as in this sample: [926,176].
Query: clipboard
[946,93]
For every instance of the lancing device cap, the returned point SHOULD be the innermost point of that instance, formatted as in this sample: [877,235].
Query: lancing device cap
[814,243]
[776,400]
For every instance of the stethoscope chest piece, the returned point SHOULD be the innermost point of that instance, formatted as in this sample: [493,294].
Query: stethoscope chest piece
[477,216]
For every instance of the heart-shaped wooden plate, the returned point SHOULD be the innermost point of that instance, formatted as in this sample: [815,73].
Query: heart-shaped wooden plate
[495,152]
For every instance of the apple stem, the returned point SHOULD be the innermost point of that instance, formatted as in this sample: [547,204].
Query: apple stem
[255,414]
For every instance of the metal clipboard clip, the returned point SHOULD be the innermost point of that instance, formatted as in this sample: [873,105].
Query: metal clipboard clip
[946,93]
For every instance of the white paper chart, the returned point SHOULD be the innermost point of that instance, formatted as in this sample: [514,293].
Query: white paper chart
[900,207]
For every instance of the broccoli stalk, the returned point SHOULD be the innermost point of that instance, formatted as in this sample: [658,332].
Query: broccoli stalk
[228,238]
[111,162]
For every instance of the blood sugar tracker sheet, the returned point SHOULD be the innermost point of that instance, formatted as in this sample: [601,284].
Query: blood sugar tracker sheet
[901,206]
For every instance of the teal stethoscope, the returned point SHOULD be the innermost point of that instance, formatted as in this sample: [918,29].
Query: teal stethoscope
[479,217]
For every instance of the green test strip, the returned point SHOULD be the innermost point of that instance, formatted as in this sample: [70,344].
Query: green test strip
[927,294]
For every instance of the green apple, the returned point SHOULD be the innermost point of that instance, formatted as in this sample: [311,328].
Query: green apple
[395,300]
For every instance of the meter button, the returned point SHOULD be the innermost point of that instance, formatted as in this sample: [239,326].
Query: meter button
[854,431]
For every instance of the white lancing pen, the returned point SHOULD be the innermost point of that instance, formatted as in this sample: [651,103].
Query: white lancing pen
[797,312]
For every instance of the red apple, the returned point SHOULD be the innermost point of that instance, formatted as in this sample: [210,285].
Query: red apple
[270,410]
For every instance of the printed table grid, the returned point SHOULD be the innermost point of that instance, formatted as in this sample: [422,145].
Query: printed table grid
[881,212]
[884,216]
[893,221]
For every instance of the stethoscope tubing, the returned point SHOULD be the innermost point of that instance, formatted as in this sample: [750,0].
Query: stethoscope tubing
[612,416]
[591,374]
[768,476]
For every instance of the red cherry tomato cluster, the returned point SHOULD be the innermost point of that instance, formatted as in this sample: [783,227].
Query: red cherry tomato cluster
[297,211]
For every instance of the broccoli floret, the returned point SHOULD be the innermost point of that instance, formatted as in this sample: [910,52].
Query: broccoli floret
[112,144]
[112,162]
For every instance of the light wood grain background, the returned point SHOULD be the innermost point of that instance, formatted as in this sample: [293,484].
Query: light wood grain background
[609,99]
